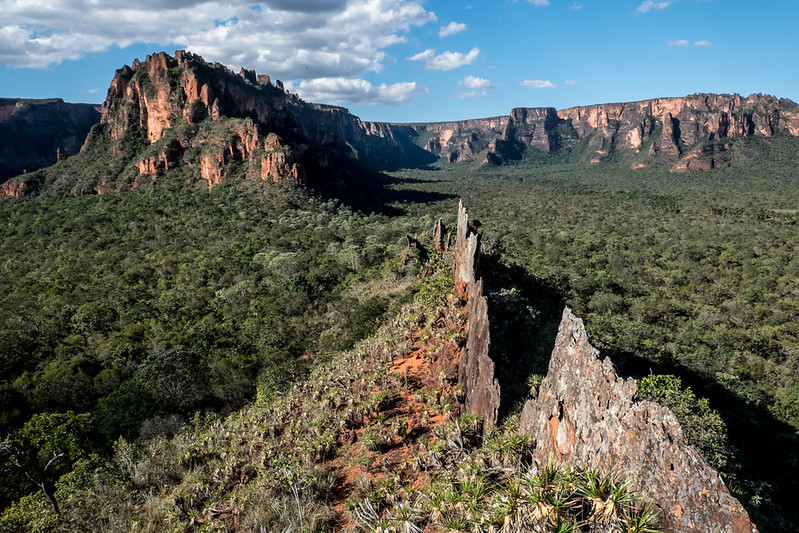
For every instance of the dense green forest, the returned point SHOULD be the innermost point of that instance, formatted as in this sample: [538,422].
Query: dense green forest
[127,315]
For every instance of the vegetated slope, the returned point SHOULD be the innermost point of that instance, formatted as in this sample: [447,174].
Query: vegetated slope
[33,133]
[375,439]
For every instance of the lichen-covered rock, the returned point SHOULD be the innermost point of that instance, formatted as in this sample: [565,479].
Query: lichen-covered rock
[585,414]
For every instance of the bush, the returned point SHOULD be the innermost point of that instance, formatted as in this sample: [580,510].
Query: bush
[703,426]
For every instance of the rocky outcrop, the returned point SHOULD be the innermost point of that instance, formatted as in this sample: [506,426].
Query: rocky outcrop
[13,189]
[150,99]
[34,132]
[585,414]
[476,369]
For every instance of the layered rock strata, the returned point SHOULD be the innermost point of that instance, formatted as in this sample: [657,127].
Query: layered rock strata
[686,133]
[585,414]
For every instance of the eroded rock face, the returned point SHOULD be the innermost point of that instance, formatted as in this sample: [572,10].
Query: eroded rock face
[476,369]
[150,98]
[586,414]
[657,131]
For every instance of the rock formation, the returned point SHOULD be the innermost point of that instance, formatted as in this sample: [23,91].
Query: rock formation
[587,415]
[476,369]
[686,133]
[34,132]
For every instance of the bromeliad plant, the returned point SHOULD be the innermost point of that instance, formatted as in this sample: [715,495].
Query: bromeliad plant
[494,489]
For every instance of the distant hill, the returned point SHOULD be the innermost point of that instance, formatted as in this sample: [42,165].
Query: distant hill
[34,132]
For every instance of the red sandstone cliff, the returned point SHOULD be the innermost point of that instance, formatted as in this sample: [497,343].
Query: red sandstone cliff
[687,133]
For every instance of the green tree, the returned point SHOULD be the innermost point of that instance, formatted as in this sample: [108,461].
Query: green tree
[45,448]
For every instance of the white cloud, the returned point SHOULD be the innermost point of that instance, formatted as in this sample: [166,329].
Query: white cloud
[538,84]
[287,39]
[445,60]
[539,2]
[571,83]
[469,94]
[686,43]
[649,5]
[356,91]
[451,29]
[575,7]
[473,82]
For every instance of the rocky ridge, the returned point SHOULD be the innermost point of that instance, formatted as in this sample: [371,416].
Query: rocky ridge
[585,415]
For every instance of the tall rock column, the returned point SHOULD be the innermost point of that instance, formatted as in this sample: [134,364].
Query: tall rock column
[585,414]
[476,370]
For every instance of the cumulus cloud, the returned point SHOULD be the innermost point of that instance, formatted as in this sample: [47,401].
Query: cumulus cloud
[451,29]
[702,43]
[479,87]
[445,60]
[288,39]
[649,5]
[539,2]
[356,91]
[571,83]
[538,84]
[473,82]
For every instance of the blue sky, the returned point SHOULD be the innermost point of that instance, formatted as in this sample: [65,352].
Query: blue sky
[416,60]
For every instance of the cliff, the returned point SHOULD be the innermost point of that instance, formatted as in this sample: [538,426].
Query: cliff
[240,117]
[585,414]
[36,133]
[687,133]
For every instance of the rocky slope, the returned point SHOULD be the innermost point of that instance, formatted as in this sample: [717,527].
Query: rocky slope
[585,415]
[36,133]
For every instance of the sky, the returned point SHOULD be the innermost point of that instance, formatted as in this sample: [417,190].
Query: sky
[416,60]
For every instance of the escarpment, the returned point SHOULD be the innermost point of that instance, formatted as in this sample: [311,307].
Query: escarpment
[685,133]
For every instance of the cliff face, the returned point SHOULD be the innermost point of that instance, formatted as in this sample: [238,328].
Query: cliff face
[686,133]
[585,414]
[35,133]
[239,118]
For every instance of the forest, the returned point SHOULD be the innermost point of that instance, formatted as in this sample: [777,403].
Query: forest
[130,321]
